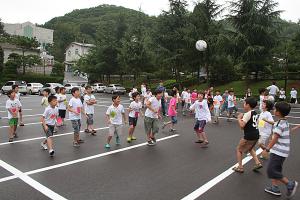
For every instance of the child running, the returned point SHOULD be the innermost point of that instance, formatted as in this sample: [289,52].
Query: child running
[231,106]
[15,88]
[279,149]
[202,115]
[13,105]
[48,122]
[265,122]
[115,116]
[172,112]
[248,122]
[62,105]
[152,115]
[135,110]
[89,102]
[217,104]
[75,109]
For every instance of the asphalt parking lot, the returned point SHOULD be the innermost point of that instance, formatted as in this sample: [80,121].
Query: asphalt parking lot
[175,168]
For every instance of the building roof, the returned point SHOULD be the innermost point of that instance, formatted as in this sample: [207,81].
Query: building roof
[81,44]
[15,47]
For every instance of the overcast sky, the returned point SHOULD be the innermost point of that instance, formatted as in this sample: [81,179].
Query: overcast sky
[41,11]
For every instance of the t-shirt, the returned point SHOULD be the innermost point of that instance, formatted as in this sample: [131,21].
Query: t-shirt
[251,128]
[18,96]
[89,109]
[264,127]
[201,110]
[115,114]
[143,90]
[50,114]
[14,105]
[282,94]
[155,104]
[136,108]
[282,147]
[294,94]
[184,95]
[45,102]
[172,103]
[188,100]
[62,105]
[230,101]
[217,101]
[273,89]
[76,105]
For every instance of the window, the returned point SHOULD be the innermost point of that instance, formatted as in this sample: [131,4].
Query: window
[76,52]
[9,83]
[29,85]
[69,53]
[67,85]
[47,85]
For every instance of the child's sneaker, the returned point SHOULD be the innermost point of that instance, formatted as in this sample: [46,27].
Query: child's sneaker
[44,146]
[133,138]
[291,189]
[107,146]
[51,152]
[118,140]
[75,144]
[153,140]
[11,140]
[128,139]
[273,190]
[150,143]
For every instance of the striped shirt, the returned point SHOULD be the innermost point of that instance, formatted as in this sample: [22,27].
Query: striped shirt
[282,147]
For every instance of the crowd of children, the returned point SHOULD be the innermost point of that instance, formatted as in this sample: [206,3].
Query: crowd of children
[258,126]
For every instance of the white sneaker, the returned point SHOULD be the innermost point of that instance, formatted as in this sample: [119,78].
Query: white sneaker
[51,152]
[44,146]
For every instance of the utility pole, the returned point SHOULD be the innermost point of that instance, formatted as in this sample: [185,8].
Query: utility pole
[286,69]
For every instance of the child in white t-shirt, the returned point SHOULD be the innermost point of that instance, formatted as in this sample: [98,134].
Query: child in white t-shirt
[265,122]
[48,122]
[13,106]
[217,105]
[293,96]
[282,96]
[89,102]
[135,110]
[115,116]
[62,105]
[75,109]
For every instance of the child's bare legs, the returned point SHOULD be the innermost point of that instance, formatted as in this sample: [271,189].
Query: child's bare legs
[11,132]
[254,156]
[109,139]
[204,137]
[49,143]
[131,130]
[239,156]
[21,119]
[14,130]
[200,136]
[76,137]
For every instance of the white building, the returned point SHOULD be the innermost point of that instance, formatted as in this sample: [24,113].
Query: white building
[74,52]
[10,48]
[43,36]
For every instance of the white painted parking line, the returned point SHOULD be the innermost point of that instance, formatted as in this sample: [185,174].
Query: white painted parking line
[236,120]
[40,138]
[35,115]
[33,183]
[86,158]
[207,186]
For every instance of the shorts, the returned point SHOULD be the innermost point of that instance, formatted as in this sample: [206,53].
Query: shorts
[76,124]
[49,132]
[90,119]
[62,113]
[174,119]
[13,122]
[246,146]
[274,170]
[133,121]
[115,129]
[151,125]
[293,100]
[200,125]
[263,139]
[216,112]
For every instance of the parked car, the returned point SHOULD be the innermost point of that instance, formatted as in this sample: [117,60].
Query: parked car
[115,88]
[33,88]
[51,86]
[69,86]
[8,86]
[98,87]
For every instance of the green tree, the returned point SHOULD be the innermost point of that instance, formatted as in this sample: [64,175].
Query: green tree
[57,69]
[255,33]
